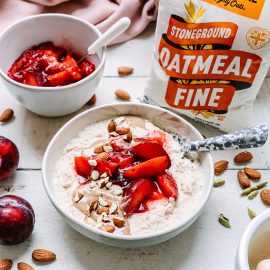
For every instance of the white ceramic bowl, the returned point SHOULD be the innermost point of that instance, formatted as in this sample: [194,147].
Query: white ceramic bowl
[63,30]
[249,243]
[159,117]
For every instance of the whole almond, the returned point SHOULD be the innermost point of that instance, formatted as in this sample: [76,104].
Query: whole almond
[243,157]
[109,228]
[92,100]
[6,264]
[265,196]
[220,166]
[43,255]
[252,173]
[243,179]
[6,115]
[111,126]
[124,71]
[122,130]
[24,266]
[122,94]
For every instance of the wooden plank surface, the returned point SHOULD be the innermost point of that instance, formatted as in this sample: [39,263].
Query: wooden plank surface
[205,245]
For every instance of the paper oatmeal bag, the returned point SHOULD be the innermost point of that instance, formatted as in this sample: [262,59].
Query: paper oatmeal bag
[210,59]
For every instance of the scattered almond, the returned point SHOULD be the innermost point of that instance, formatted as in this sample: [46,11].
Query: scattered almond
[122,94]
[128,137]
[111,126]
[24,266]
[43,255]
[6,264]
[220,166]
[92,100]
[122,130]
[98,149]
[243,179]
[118,222]
[124,71]
[265,196]
[109,228]
[252,173]
[243,157]
[6,115]
[102,209]
[103,156]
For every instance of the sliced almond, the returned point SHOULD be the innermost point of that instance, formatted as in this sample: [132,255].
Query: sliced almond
[104,175]
[92,100]
[6,115]
[122,130]
[118,222]
[122,94]
[6,264]
[95,175]
[92,162]
[111,126]
[107,148]
[243,157]
[128,137]
[102,183]
[265,196]
[108,185]
[119,120]
[109,228]
[243,179]
[116,190]
[67,185]
[102,202]
[113,208]
[102,209]
[252,173]
[124,71]
[220,166]
[43,255]
[98,149]
[78,196]
[24,266]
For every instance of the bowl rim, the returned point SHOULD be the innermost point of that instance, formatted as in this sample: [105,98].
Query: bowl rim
[244,244]
[54,88]
[105,234]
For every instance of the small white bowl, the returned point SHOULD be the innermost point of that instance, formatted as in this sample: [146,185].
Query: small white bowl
[248,244]
[159,117]
[63,30]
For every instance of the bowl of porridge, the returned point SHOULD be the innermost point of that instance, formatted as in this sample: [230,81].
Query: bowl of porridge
[117,175]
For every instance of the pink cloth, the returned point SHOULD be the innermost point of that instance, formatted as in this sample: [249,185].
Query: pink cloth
[102,13]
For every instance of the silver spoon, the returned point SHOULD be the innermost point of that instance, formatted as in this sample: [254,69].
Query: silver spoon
[247,138]
[112,33]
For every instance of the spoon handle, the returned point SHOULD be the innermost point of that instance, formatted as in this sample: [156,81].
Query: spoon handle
[114,31]
[246,138]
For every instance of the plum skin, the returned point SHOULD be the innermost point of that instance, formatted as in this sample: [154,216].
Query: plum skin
[17,220]
[9,158]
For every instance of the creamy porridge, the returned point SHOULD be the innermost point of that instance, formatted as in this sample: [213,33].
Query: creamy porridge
[126,176]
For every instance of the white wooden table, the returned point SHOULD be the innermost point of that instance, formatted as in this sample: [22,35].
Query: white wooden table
[205,245]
